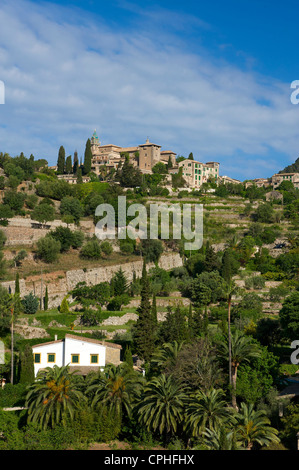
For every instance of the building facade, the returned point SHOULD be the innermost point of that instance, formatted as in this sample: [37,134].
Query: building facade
[196,173]
[81,354]
[144,156]
[278,178]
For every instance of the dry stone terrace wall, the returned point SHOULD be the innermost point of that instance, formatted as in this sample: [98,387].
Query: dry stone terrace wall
[59,283]
[25,231]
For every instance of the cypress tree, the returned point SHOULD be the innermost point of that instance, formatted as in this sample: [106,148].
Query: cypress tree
[87,158]
[17,284]
[68,165]
[154,310]
[128,359]
[79,176]
[61,161]
[76,162]
[16,298]
[175,327]
[211,262]
[46,299]
[144,327]
[26,365]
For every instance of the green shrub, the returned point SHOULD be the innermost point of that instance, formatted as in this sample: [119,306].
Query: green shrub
[64,307]
[30,304]
[106,248]
[91,249]
[48,249]
[12,395]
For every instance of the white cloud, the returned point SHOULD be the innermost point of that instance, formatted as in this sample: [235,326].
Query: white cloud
[66,74]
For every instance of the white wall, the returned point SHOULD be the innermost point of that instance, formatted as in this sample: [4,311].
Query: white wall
[63,351]
[52,348]
[84,349]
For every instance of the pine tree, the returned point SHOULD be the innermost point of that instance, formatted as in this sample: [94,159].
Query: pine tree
[144,328]
[87,158]
[68,165]
[61,161]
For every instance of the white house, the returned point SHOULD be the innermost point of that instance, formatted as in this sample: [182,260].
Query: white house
[81,354]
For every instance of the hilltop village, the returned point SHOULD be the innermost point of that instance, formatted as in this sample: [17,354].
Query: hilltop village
[94,332]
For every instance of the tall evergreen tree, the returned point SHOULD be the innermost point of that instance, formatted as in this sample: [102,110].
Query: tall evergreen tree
[79,176]
[26,365]
[17,303]
[17,284]
[119,283]
[144,327]
[46,299]
[68,165]
[130,176]
[211,262]
[61,161]
[87,158]
[154,310]
[169,164]
[175,327]
[76,162]
[128,358]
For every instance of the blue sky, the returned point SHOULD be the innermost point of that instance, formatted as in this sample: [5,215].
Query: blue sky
[212,78]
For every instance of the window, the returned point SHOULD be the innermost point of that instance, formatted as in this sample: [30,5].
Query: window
[75,358]
[37,358]
[51,357]
[94,359]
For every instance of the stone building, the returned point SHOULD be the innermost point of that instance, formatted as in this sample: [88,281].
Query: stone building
[144,156]
[196,173]
[278,178]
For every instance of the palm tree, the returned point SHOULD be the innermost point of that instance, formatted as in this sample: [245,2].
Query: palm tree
[161,405]
[254,427]
[116,387]
[242,350]
[221,438]
[165,357]
[53,397]
[230,289]
[207,411]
